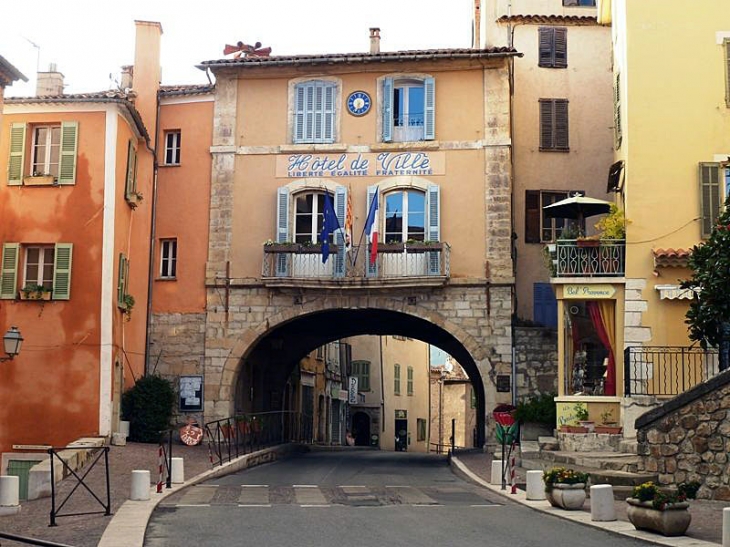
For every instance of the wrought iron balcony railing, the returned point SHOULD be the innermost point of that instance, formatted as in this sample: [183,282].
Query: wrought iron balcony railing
[668,370]
[429,260]
[589,258]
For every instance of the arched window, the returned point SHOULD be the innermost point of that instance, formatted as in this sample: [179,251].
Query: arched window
[405,216]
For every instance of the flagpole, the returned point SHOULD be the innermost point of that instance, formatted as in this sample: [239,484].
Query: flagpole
[370,211]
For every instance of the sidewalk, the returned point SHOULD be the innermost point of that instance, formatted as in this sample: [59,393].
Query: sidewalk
[705,529]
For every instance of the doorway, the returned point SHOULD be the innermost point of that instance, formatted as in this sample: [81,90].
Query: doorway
[361,428]
[401,435]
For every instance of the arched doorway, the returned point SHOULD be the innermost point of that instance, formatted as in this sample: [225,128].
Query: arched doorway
[361,428]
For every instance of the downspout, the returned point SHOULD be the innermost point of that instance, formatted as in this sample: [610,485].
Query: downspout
[382,390]
[153,222]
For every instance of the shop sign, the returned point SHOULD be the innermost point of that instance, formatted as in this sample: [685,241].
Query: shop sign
[381,164]
[401,414]
[588,292]
[352,390]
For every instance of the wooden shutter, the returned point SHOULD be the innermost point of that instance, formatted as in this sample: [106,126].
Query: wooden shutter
[561,124]
[340,206]
[546,124]
[727,71]
[387,112]
[544,304]
[532,216]
[129,184]
[16,162]
[62,271]
[433,227]
[121,279]
[282,229]
[546,41]
[69,145]
[617,135]
[9,271]
[429,98]
[371,269]
[299,114]
[560,48]
[709,197]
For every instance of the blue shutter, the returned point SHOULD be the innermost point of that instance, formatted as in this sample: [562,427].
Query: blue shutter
[318,112]
[282,230]
[429,98]
[340,208]
[387,112]
[329,113]
[371,270]
[308,112]
[433,226]
[544,305]
[298,132]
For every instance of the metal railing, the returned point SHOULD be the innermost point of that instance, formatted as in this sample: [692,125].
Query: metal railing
[32,541]
[668,370]
[232,437]
[394,260]
[590,258]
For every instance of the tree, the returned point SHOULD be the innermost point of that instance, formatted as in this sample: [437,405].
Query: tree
[708,316]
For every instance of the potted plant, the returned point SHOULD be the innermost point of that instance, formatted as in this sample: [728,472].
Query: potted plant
[613,225]
[565,488]
[271,246]
[34,291]
[608,424]
[665,512]
[581,414]
[134,198]
[127,305]
[537,416]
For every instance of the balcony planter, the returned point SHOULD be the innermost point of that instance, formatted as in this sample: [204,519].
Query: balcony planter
[588,243]
[390,248]
[39,180]
[423,246]
[281,248]
[35,294]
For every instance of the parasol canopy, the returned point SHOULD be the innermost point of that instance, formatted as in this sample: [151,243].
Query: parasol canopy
[577,207]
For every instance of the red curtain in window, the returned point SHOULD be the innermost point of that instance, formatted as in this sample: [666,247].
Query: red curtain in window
[600,318]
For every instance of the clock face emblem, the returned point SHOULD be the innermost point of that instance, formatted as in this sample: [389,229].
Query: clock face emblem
[358,103]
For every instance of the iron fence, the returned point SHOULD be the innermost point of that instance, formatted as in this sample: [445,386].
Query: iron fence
[667,370]
[590,258]
[232,437]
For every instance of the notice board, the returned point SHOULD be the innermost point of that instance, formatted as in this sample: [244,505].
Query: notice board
[191,393]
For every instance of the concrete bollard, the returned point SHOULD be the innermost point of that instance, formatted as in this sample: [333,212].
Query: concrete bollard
[9,495]
[140,485]
[602,506]
[726,527]
[535,485]
[496,476]
[124,427]
[178,471]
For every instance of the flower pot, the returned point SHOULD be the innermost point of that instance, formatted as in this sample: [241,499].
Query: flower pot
[588,424]
[574,429]
[673,520]
[35,295]
[569,496]
[40,180]
[610,429]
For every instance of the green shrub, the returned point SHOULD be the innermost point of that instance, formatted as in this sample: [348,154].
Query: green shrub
[148,407]
[540,409]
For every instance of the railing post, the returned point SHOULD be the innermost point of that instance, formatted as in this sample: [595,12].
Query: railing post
[53,490]
[627,372]
[168,483]
[108,489]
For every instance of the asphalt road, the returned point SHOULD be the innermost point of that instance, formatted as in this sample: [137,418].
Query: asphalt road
[357,498]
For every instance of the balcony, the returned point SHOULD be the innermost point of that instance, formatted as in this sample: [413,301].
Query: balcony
[667,371]
[416,264]
[589,258]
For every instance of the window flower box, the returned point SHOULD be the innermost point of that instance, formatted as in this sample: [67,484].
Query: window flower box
[35,292]
[39,180]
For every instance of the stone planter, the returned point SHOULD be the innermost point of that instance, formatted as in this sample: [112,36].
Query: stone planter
[672,521]
[568,496]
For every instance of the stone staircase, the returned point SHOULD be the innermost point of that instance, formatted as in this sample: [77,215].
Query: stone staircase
[617,468]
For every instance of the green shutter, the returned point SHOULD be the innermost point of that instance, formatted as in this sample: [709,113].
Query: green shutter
[9,271]
[69,145]
[709,197]
[62,271]
[17,154]
[121,279]
[131,169]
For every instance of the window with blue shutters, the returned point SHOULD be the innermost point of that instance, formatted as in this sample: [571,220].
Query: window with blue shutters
[409,109]
[314,112]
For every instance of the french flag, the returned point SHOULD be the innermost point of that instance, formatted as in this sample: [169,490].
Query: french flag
[371,227]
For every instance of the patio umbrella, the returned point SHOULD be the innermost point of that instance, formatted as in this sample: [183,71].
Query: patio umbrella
[577,207]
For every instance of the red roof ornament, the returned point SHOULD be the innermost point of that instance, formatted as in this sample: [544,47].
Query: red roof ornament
[246,50]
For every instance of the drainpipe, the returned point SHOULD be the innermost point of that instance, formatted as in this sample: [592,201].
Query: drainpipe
[153,222]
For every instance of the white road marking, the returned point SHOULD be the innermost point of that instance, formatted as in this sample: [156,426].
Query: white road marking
[254,505]
[316,505]
[193,505]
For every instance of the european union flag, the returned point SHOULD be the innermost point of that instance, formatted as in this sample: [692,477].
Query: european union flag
[329,225]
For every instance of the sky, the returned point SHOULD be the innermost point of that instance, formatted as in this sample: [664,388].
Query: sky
[89,40]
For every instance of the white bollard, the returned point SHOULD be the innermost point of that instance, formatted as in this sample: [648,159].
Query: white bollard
[726,527]
[535,485]
[496,476]
[124,427]
[178,471]
[140,485]
[602,506]
[9,495]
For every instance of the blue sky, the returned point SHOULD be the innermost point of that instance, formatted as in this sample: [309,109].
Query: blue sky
[89,40]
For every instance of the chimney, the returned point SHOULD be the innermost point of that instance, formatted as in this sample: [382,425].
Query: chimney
[49,84]
[127,77]
[374,40]
[147,72]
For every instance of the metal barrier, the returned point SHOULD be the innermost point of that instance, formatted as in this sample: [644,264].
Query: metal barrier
[164,456]
[667,370]
[32,541]
[232,437]
[54,453]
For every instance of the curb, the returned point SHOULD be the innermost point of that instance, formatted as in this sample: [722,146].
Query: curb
[129,524]
[618,527]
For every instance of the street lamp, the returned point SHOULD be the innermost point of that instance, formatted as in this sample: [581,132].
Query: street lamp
[11,343]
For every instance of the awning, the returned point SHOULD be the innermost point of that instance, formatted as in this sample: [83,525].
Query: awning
[674,292]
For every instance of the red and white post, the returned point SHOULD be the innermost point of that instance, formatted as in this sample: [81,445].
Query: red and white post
[160,463]
[513,478]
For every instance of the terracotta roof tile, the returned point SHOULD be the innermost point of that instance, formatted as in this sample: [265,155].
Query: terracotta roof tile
[177,90]
[576,20]
[671,258]
[8,73]
[349,58]
[671,253]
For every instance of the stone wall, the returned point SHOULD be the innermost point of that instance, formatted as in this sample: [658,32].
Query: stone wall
[688,438]
[536,357]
